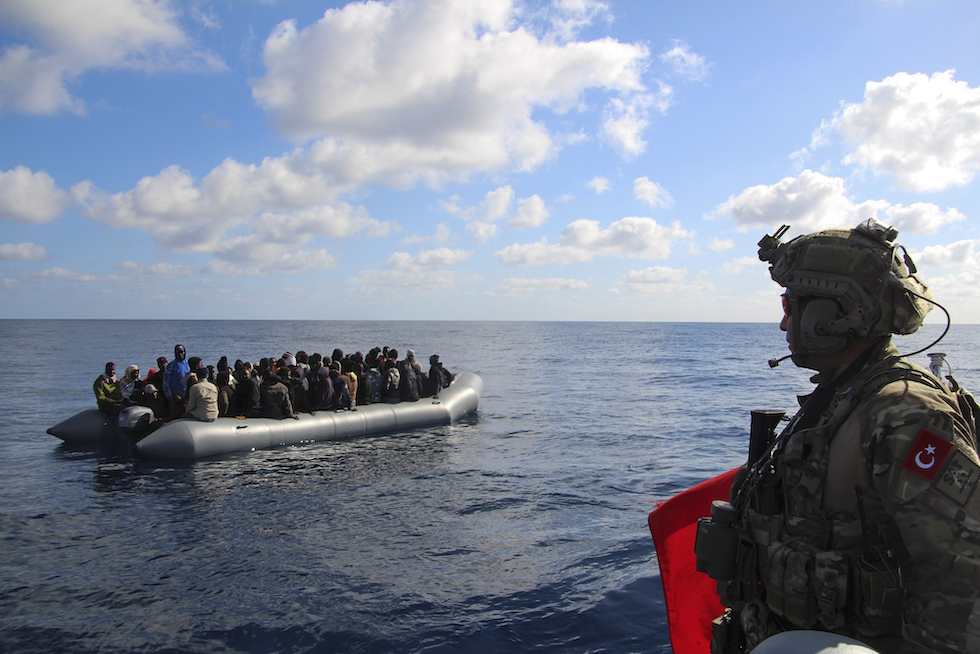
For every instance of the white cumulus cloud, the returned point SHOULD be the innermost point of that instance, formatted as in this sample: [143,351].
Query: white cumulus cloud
[813,201]
[69,37]
[282,200]
[336,221]
[378,75]
[959,288]
[371,84]
[497,205]
[531,212]
[961,254]
[249,256]
[30,197]
[599,184]
[652,193]
[276,242]
[924,130]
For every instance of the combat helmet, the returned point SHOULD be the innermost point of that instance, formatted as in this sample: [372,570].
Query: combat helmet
[860,269]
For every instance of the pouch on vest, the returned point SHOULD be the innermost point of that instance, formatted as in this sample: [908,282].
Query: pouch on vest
[830,588]
[848,535]
[765,530]
[716,542]
[879,597]
[788,583]
[751,558]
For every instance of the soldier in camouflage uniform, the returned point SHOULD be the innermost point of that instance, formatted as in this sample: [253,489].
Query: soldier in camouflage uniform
[862,517]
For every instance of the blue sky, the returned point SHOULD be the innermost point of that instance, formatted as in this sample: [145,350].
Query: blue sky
[464,159]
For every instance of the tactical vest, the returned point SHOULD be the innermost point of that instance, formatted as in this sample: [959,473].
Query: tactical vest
[797,565]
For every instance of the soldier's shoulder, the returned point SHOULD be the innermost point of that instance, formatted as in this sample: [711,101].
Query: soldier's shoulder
[903,389]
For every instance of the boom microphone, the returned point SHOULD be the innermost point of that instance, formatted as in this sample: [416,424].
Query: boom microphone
[775,362]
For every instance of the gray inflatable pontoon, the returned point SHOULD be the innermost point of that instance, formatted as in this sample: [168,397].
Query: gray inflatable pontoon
[192,439]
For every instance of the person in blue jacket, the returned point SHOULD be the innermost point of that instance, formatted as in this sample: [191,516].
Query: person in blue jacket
[174,373]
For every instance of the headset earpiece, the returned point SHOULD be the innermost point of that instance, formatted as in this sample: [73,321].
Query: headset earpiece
[817,313]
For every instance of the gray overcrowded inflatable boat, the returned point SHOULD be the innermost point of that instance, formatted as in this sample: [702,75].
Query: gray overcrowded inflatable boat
[192,439]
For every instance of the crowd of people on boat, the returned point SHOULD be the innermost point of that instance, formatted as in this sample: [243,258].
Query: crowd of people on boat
[282,387]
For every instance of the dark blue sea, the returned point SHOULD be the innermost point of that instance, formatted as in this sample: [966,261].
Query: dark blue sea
[521,528]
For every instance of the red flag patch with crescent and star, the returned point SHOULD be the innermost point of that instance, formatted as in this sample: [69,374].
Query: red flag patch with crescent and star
[927,455]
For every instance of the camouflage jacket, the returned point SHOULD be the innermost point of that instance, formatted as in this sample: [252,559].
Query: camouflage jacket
[864,520]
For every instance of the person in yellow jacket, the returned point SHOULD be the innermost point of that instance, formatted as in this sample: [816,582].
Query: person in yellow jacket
[107,394]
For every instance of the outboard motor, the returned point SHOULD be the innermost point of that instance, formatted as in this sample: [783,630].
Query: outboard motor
[135,421]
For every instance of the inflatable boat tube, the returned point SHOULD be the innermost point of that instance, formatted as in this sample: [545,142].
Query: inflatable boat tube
[192,439]
[89,426]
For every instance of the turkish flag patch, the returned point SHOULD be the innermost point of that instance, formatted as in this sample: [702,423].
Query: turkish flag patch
[927,455]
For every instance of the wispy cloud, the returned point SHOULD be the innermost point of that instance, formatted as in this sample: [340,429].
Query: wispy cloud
[23,252]
[528,286]
[663,281]
[584,240]
[424,272]
[684,63]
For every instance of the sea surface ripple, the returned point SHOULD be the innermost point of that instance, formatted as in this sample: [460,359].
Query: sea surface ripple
[519,528]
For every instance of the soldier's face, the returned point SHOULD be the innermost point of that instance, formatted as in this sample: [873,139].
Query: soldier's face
[787,314]
[792,306]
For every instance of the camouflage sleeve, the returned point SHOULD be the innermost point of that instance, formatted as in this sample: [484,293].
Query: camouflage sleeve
[925,471]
